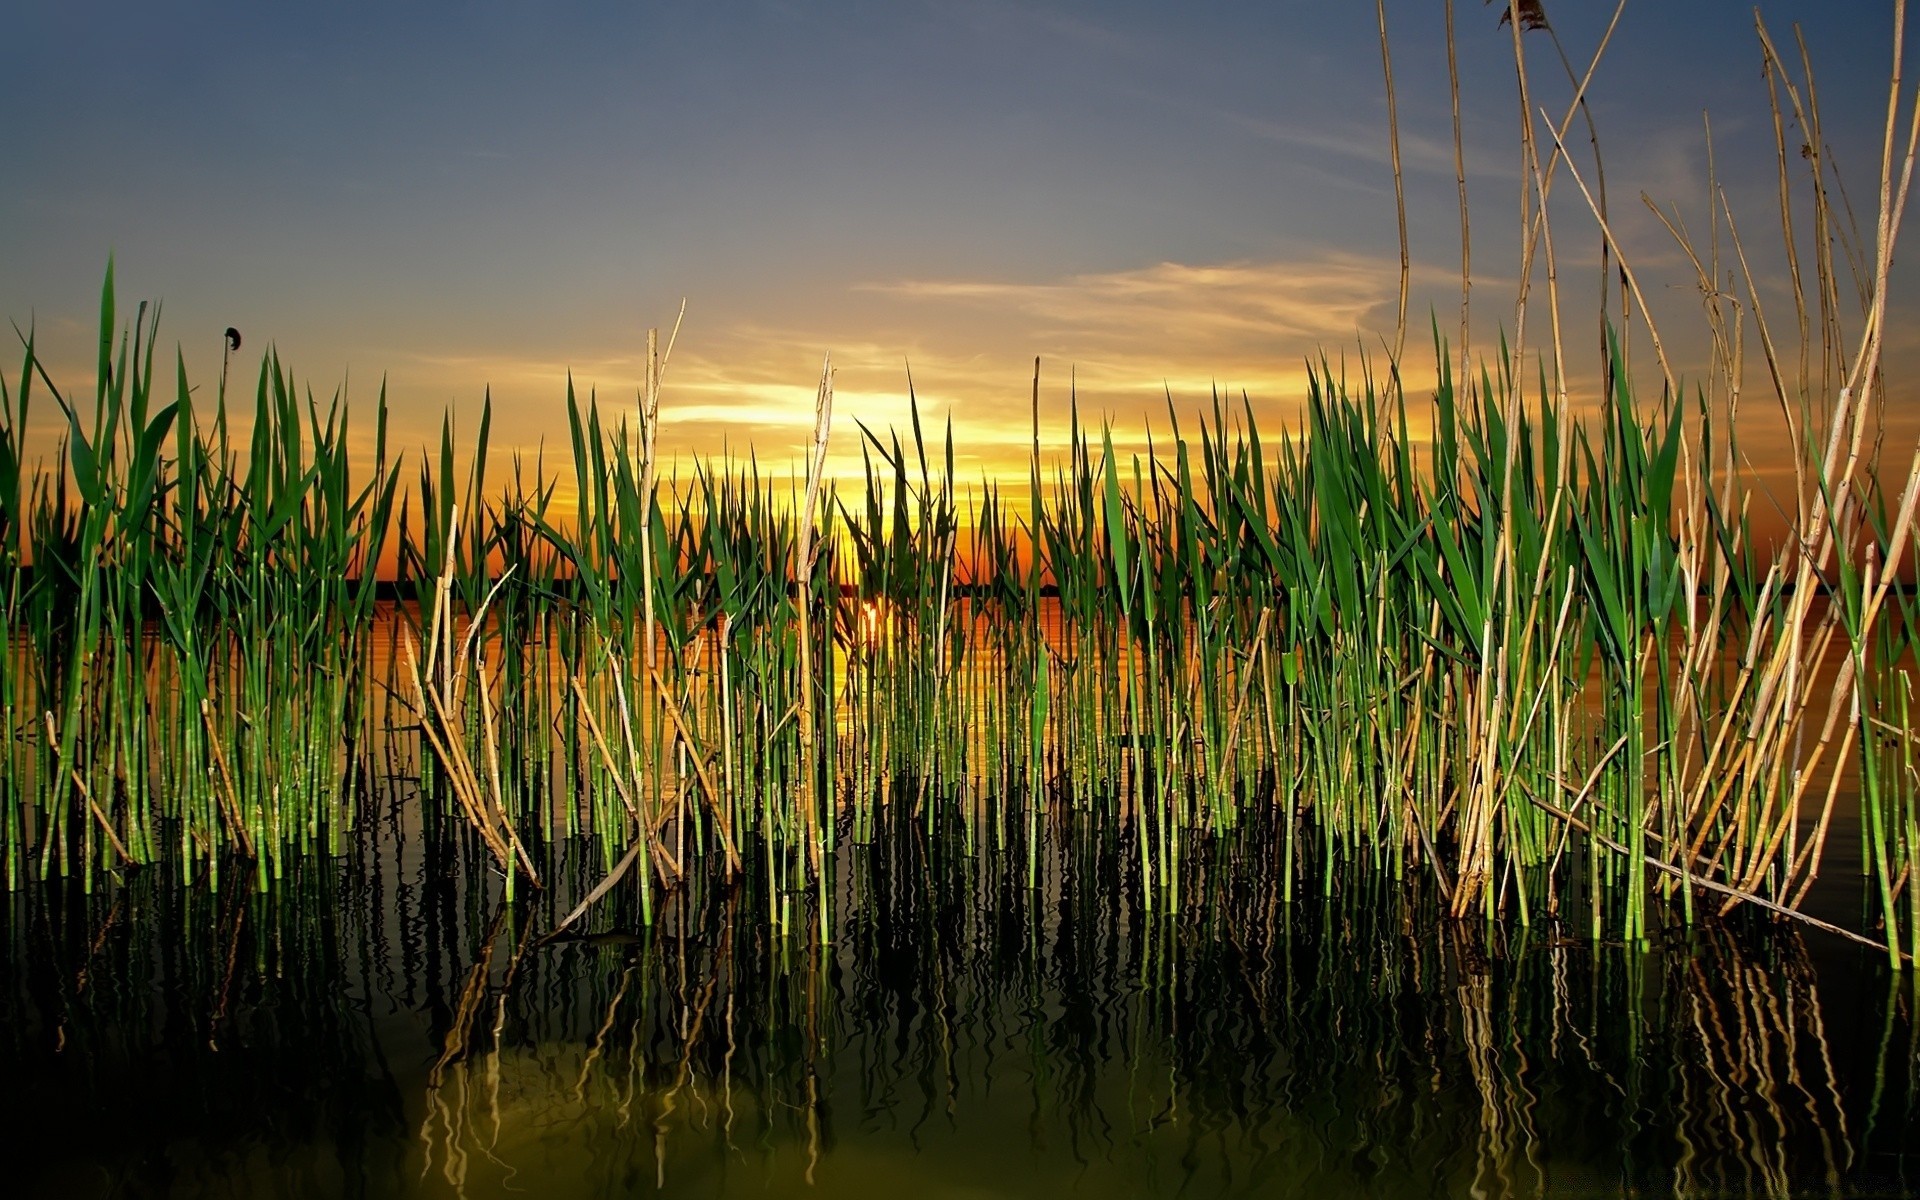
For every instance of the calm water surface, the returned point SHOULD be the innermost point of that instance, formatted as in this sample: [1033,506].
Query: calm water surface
[376,1027]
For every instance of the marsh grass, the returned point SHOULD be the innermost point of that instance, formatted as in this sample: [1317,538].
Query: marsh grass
[1526,652]
[186,629]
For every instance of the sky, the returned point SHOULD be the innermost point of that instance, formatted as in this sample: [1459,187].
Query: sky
[1157,200]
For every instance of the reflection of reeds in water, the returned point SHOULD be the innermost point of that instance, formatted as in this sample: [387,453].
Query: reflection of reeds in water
[1756,1042]
[1507,1146]
[993,1035]
[1236,1044]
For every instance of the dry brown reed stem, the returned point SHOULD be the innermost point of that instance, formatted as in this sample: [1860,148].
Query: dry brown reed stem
[1626,270]
[803,569]
[685,732]
[1542,185]
[1782,701]
[1518,731]
[229,799]
[600,889]
[1846,699]
[86,793]
[1542,230]
[1719,334]
[1879,580]
[93,805]
[1828,522]
[649,431]
[1478,800]
[1599,162]
[1781,718]
[626,736]
[1848,235]
[1769,350]
[606,755]
[1734,894]
[1807,114]
[1903,528]
[445,701]
[1833,364]
[1729,773]
[488,731]
[460,777]
[1776,81]
[1399,190]
[1893,203]
[1736,385]
[1693,536]
[1489,707]
[470,652]
[1536,184]
[1529,171]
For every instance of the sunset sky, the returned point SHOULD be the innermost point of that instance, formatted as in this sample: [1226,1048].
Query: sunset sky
[1152,198]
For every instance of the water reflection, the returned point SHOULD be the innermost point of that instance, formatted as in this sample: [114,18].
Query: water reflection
[384,1032]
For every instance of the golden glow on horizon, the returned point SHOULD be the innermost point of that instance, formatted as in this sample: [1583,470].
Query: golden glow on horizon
[1121,342]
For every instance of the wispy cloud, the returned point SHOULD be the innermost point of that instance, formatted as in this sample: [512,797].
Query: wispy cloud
[1120,342]
[1174,312]
[1369,144]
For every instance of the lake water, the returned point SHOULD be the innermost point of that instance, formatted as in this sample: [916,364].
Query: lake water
[381,1025]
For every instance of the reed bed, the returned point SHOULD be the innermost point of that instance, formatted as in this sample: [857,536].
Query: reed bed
[186,617]
[1555,676]
[1524,649]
